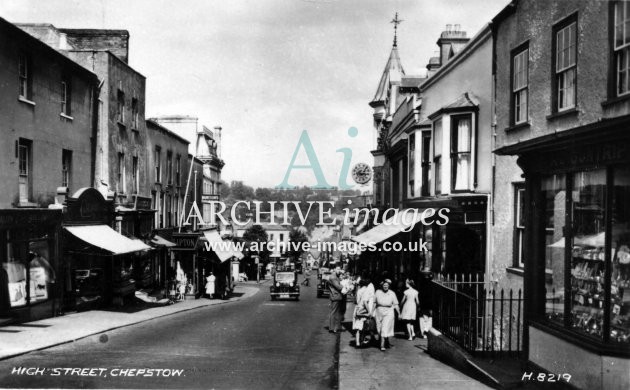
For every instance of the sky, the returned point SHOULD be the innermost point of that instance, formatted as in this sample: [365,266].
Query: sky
[266,70]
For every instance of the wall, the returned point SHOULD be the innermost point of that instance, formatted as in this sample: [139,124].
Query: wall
[115,41]
[42,122]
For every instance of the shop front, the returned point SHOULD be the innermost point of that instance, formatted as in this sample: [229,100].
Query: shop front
[29,241]
[183,268]
[98,260]
[577,252]
[219,262]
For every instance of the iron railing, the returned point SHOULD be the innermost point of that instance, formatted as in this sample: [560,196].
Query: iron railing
[476,315]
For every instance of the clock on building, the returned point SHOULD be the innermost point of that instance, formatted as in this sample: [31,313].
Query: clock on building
[361,173]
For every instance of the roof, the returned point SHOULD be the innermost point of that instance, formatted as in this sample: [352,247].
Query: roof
[37,44]
[151,122]
[392,73]
[411,81]
[465,101]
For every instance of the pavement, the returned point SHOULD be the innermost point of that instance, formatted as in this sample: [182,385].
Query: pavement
[20,339]
[406,365]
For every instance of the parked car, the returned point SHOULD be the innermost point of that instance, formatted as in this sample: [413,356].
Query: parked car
[322,282]
[285,285]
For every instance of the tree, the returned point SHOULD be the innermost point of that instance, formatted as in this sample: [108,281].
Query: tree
[296,238]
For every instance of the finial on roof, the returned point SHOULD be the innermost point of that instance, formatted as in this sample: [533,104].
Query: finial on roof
[396,22]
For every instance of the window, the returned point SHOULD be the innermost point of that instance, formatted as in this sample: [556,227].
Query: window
[437,152]
[412,163]
[520,82]
[122,185]
[25,170]
[66,167]
[157,161]
[553,192]
[565,58]
[519,225]
[169,167]
[134,113]
[178,167]
[426,163]
[134,175]
[461,139]
[622,47]
[25,77]
[26,262]
[120,113]
[65,97]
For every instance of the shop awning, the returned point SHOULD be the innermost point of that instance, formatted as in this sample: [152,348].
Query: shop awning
[161,241]
[104,237]
[390,227]
[222,248]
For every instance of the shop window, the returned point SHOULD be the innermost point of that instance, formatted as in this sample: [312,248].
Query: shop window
[426,164]
[461,139]
[66,167]
[437,154]
[520,84]
[565,64]
[66,101]
[28,271]
[519,225]
[621,47]
[25,77]
[554,200]
[599,234]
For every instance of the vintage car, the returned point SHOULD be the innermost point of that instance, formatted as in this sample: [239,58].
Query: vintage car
[285,285]
[322,282]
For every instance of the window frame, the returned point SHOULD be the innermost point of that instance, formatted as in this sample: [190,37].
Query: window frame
[556,73]
[454,121]
[134,113]
[25,76]
[157,157]
[135,182]
[66,97]
[66,168]
[169,167]
[427,139]
[122,182]
[515,90]
[519,229]
[120,107]
[437,155]
[617,52]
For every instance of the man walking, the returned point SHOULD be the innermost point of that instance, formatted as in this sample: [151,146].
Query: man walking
[336,301]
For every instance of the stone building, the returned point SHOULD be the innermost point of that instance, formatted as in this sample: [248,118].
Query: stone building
[563,181]
[47,129]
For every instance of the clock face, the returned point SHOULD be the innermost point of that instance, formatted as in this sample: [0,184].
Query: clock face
[361,173]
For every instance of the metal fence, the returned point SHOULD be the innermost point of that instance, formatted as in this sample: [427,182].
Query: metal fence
[477,316]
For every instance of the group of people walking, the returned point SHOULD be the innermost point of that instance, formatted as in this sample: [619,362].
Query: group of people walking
[375,311]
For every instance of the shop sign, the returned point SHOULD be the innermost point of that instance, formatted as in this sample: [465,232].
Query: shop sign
[89,206]
[10,219]
[185,240]
[591,155]
[142,203]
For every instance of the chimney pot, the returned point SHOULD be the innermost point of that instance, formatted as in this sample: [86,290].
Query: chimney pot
[449,27]
[458,27]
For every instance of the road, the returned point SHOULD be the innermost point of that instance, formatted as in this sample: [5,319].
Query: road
[251,344]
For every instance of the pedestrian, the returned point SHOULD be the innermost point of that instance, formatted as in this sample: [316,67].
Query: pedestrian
[386,305]
[336,301]
[409,307]
[210,285]
[364,307]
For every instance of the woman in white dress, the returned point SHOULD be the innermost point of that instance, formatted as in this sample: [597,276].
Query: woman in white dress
[409,304]
[386,303]
[210,285]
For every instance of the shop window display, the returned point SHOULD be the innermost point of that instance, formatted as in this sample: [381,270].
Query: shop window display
[597,263]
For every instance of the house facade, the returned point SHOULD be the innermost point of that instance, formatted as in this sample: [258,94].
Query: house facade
[563,177]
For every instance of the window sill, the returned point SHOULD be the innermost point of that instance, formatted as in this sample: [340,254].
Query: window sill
[524,125]
[25,100]
[26,205]
[560,114]
[68,117]
[573,337]
[615,100]
[516,271]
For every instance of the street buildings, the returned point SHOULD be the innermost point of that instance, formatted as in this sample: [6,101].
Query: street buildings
[93,192]
[46,137]
[563,110]
[520,133]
